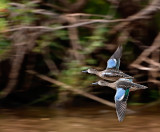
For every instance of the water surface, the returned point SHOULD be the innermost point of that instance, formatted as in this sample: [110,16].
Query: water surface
[87,119]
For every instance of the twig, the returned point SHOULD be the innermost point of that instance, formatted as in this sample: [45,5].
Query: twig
[149,10]
[155,81]
[85,14]
[36,11]
[85,94]
[49,62]
[144,56]
[49,29]
[138,66]
[152,62]
[73,7]
[56,7]
[74,40]
[21,46]
[20,49]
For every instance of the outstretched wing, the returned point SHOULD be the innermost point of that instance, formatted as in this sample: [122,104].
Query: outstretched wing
[114,61]
[121,102]
[117,54]
[121,107]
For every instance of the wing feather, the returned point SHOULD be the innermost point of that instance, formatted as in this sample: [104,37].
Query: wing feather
[121,105]
[114,61]
[133,86]
[121,109]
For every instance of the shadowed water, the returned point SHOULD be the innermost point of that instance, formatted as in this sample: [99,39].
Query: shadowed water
[87,119]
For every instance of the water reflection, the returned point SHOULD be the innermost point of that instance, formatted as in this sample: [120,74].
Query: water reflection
[88,119]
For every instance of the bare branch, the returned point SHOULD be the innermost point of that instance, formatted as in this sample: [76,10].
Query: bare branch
[74,40]
[76,6]
[21,46]
[152,62]
[56,7]
[49,29]
[144,55]
[49,62]
[144,68]
[85,14]
[78,91]
[149,10]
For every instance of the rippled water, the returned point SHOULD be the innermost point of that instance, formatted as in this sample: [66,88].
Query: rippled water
[87,119]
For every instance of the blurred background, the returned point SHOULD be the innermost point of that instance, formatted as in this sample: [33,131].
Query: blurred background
[44,46]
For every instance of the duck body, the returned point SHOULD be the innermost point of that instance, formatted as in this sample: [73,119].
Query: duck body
[122,82]
[122,87]
[109,74]
[112,72]
[113,75]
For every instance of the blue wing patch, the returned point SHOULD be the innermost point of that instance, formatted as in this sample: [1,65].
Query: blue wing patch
[111,63]
[120,93]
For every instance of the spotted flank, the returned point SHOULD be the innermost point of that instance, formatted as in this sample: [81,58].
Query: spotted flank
[116,73]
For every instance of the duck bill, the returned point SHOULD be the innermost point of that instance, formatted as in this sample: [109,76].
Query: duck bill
[85,71]
[96,83]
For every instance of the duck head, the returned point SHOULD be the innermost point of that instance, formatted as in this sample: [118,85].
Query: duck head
[91,71]
[100,82]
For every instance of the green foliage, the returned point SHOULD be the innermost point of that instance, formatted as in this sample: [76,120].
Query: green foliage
[43,99]
[3,4]
[96,40]
[5,46]
[62,34]
[93,40]
[157,20]
[22,16]
[154,94]
[73,75]
[98,4]
[128,53]
[3,24]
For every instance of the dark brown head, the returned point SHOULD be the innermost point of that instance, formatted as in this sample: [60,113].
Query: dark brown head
[91,71]
[101,83]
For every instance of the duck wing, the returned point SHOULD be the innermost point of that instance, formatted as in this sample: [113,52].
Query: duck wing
[114,61]
[118,53]
[121,107]
[121,103]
